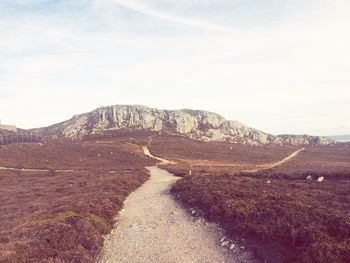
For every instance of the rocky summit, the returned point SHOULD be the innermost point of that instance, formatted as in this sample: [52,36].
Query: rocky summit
[200,125]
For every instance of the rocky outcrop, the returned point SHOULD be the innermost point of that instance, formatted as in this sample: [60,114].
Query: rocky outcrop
[305,139]
[201,125]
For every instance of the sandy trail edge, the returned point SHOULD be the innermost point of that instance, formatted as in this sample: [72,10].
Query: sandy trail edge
[153,227]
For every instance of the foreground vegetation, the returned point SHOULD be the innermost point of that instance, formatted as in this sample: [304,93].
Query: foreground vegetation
[60,214]
[306,223]
[283,216]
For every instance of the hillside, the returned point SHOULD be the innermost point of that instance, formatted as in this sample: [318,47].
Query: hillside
[60,197]
[200,125]
[265,207]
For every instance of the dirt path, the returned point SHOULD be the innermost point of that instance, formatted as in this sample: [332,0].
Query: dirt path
[148,153]
[272,165]
[153,227]
[47,170]
[34,170]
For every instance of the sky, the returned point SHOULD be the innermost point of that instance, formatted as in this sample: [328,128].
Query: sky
[278,66]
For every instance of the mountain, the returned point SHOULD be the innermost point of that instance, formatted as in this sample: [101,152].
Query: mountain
[200,125]
[340,138]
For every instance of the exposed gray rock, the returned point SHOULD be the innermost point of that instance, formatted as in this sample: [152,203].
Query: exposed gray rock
[183,122]
[200,125]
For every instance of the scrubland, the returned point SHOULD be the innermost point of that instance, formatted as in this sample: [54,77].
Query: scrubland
[280,215]
[61,214]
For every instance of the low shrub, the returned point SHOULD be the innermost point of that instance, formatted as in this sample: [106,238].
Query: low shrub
[303,224]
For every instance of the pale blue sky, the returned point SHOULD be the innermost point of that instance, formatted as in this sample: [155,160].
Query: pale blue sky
[279,66]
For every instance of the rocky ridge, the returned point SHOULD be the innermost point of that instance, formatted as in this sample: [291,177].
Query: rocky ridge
[200,125]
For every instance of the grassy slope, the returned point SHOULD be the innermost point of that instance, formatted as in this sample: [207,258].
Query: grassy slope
[268,212]
[61,216]
[209,157]
[324,159]
[185,149]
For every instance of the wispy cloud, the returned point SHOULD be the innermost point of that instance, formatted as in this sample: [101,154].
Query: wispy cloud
[294,73]
[149,11]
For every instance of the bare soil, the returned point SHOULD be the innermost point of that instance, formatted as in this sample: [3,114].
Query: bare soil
[153,227]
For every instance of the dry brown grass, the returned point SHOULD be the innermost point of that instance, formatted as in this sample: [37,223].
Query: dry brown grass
[245,204]
[216,153]
[267,213]
[211,157]
[323,159]
[60,216]
[57,216]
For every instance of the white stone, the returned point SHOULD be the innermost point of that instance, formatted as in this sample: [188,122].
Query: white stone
[320,179]
[225,243]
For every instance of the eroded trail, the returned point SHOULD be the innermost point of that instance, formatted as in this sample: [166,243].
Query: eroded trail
[153,227]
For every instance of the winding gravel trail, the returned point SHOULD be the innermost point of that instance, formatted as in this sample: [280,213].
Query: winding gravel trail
[153,227]
[273,165]
[34,170]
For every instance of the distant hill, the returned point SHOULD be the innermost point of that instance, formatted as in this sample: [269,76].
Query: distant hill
[341,138]
[200,125]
